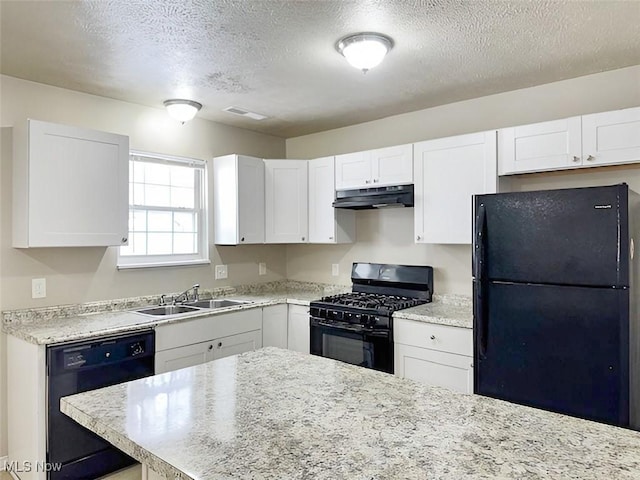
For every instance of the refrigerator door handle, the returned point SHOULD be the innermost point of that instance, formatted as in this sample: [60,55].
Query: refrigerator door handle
[481,320]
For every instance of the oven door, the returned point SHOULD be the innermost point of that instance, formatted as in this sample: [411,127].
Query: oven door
[352,344]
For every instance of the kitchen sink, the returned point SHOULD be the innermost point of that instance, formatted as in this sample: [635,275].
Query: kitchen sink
[167,310]
[217,303]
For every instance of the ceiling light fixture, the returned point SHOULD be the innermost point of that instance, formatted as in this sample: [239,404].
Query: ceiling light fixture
[182,110]
[364,50]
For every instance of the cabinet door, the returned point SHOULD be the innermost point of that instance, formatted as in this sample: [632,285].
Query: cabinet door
[78,187]
[327,224]
[286,201]
[236,344]
[250,200]
[274,326]
[298,329]
[392,165]
[540,146]
[432,367]
[611,137]
[353,170]
[448,172]
[183,357]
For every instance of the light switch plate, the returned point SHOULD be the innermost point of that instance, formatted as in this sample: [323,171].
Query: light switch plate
[335,269]
[38,288]
[221,272]
[262,268]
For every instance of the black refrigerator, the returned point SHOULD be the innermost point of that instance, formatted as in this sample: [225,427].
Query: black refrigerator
[555,294]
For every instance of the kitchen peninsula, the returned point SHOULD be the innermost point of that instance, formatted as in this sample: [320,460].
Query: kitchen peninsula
[277,414]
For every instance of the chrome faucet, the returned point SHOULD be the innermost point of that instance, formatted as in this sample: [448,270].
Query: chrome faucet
[185,294]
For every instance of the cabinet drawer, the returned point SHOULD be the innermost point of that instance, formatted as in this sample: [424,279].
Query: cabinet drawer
[193,331]
[435,337]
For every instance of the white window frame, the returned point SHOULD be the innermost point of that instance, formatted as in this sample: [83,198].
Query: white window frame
[201,207]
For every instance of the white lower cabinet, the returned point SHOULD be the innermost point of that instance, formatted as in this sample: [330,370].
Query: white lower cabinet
[180,345]
[298,331]
[274,326]
[434,354]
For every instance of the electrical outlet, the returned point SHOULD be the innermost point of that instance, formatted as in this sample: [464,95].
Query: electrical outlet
[262,268]
[38,288]
[335,269]
[221,272]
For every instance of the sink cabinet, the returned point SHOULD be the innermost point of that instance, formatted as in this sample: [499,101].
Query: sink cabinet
[180,344]
[70,186]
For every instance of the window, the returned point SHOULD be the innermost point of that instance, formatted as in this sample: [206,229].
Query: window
[167,212]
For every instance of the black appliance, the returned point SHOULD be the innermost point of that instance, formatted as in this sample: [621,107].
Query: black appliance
[555,301]
[357,327]
[375,197]
[78,367]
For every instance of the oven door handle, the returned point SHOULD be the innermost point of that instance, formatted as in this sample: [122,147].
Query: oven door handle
[339,326]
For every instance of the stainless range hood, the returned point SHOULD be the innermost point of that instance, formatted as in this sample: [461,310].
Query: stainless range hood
[375,197]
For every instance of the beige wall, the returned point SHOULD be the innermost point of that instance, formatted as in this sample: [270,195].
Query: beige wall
[386,236]
[86,274]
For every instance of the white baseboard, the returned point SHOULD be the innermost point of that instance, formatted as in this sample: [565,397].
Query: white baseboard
[3,463]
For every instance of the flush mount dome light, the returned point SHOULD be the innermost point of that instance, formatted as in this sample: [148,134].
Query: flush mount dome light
[364,50]
[182,110]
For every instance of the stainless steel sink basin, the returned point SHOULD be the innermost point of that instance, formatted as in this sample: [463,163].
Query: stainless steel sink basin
[167,310]
[217,303]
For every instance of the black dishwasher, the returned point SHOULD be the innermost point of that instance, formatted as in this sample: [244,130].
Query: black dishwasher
[78,367]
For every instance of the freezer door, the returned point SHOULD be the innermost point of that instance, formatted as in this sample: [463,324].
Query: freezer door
[570,237]
[563,349]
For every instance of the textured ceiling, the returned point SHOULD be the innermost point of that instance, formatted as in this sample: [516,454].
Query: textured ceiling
[277,57]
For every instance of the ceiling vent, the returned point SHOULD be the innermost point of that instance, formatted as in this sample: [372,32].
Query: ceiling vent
[244,113]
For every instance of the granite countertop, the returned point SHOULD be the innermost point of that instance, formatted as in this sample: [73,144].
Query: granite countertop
[66,323]
[452,310]
[47,330]
[277,414]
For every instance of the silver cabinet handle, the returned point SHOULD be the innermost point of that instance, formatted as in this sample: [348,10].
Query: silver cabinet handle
[576,158]
[432,337]
[375,180]
[418,237]
[210,347]
[367,181]
[219,344]
[242,239]
[590,158]
[330,238]
[124,239]
[303,239]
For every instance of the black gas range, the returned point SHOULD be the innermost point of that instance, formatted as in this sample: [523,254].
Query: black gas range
[357,327]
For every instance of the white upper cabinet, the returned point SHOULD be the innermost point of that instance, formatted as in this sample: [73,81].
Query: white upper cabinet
[611,137]
[327,224]
[70,186]
[607,138]
[448,171]
[392,165]
[353,170]
[375,168]
[541,146]
[286,203]
[238,200]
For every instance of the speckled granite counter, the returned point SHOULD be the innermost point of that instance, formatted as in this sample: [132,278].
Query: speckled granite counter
[69,323]
[453,310]
[276,414]
[77,322]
